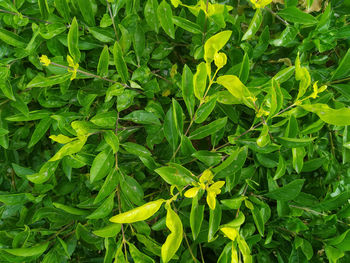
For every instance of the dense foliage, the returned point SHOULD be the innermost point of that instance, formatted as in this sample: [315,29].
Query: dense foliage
[182,131]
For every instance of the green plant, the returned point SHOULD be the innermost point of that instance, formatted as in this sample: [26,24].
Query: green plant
[183,131]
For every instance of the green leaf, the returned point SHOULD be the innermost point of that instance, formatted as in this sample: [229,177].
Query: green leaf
[208,129]
[138,214]
[287,192]
[343,68]
[298,158]
[132,190]
[109,185]
[69,149]
[103,62]
[43,81]
[142,117]
[85,7]
[174,239]
[112,139]
[101,165]
[138,256]
[150,12]
[187,25]
[208,158]
[110,230]
[339,117]
[245,67]
[258,220]
[63,9]
[165,16]
[104,209]
[214,44]
[200,81]
[254,25]
[73,40]
[294,142]
[281,168]
[237,89]
[71,210]
[32,116]
[214,221]
[44,174]
[120,63]
[196,217]
[44,8]
[188,90]
[40,129]
[106,120]
[175,174]
[27,251]
[204,111]
[333,254]
[136,149]
[12,39]
[295,15]
[6,88]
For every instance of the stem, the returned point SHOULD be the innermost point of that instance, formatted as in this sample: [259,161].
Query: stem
[254,127]
[122,226]
[338,81]
[89,74]
[277,16]
[112,17]
[116,133]
[194,115]
[31,18]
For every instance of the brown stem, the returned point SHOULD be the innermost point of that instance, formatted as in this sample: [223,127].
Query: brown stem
[112,17]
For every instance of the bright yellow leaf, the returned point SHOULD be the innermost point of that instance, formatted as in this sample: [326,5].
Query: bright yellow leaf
[192,192]
[230,232]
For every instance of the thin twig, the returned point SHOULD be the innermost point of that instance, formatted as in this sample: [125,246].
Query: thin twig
[31,18]
[89,74]
[112,18]
[122,226]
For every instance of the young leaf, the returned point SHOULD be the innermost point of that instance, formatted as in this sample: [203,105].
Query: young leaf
[175,174]
[339,117]
[200,80]
[214,44]
[73,40]
[138,214]
[174,239]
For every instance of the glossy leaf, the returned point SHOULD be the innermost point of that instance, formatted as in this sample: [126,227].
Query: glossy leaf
[120,63]
[165,17]
[138,214]
[174,239]
[73,40]
[254,25]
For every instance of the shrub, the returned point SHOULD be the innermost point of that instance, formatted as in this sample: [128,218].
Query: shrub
[183,131]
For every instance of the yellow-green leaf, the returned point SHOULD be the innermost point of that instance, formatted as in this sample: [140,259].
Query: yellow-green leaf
[339,117]
[138,214]
[214,44]
[174,239]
